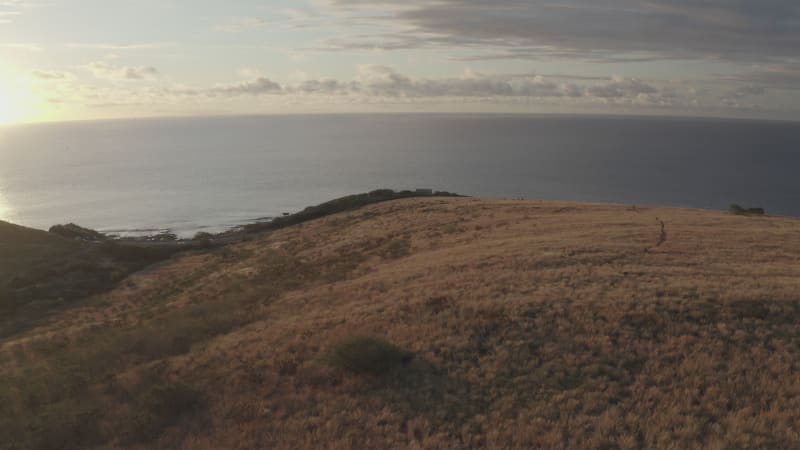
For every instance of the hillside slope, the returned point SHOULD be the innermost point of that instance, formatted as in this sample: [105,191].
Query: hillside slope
[533,325]
[42,271]
[20,247]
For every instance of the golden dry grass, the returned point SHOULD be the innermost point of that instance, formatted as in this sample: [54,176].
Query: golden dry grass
[534,325]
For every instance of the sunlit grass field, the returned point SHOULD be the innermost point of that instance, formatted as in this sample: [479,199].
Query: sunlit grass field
[486,324]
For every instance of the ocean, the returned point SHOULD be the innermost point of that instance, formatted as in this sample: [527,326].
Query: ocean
[210,174]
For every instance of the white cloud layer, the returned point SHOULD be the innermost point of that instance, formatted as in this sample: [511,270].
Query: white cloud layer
[107,71]
[373,83]
[240,24]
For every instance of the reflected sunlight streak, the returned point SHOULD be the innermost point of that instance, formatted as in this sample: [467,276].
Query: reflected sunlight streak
[6,211]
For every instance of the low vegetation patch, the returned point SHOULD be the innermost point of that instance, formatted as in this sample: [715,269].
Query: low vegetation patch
[72,231]
[396,248]
[365,354]
[742,211]
[343,204]
[452,228]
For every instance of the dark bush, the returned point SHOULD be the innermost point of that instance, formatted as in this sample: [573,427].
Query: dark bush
[367,355]
[72,231]
[737,209]
[342,204]
[161,405]
[438,304]
[135,253]
[164,236]
[396,248]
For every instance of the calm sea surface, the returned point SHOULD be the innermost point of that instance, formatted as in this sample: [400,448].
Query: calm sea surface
[189,175]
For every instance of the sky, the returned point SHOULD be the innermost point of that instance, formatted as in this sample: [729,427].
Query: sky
[99,59]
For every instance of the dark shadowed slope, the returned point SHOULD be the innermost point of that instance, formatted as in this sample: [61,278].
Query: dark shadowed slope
[21,248]
[41,272]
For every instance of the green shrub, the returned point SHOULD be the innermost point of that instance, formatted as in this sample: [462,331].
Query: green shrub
[164,236]
[437,305]
[347,203]
[72,231]
[396,248]
[450,229]
[737,209]
[139,254]
[367,355]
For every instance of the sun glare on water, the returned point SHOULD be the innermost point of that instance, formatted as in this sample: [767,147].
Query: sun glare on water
[5,209]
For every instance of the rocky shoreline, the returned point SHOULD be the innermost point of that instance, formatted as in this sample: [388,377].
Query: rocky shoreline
[168,239]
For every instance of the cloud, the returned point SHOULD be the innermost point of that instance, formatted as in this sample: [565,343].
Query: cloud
[379,81]
[748,91]
[324,87]
[257,86]
[107,71]
[10,9]
[240,24]
[779,76]
[734,98]
[21,46]
[51,75]
[372,81]
[119,46]
[373,84]
[647,29]
[383,81]
[620,87]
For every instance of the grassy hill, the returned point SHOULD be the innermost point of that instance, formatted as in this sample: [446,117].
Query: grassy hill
[434,323]
[41,272]
[21,247]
